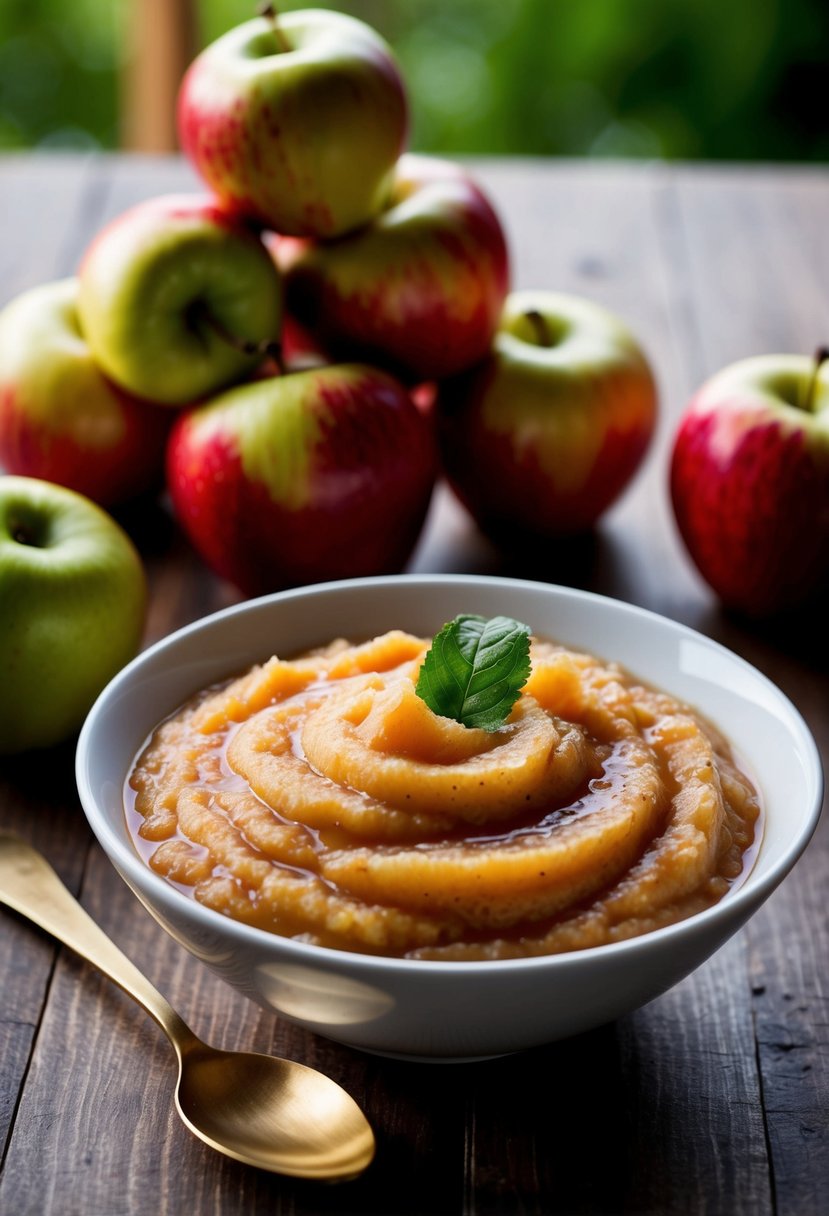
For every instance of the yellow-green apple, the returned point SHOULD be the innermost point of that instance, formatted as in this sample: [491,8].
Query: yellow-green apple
[178,299]
[296,121]
[750,481]
[61,419]
[309,476]
[72,603]
[541,436]
[420,289]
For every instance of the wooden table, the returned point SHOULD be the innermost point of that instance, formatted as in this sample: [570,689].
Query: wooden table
[714,1098]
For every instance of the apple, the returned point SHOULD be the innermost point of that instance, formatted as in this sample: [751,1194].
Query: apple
[750,481]
[178,299]
[314,475]
[61,419]
[72,604]
[420,289]
[541,436]
[297,122]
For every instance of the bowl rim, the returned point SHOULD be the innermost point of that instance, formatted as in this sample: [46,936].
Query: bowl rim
[734,907]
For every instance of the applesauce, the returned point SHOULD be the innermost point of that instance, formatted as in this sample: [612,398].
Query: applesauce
[320,798]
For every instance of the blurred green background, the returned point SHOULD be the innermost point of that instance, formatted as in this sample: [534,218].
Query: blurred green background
[692,79]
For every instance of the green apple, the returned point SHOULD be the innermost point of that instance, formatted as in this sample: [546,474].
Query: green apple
[61,419]
[296,121]
[178,299]
[72,605]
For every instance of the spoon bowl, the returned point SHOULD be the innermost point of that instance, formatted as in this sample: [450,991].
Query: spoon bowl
[267,1112]
[273,1113]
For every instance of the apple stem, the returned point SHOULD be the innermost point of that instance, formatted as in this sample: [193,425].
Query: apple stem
[821,355]
[267,348]
[268,11]
[543,336]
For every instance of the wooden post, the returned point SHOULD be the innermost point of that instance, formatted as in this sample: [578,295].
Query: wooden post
[161,44]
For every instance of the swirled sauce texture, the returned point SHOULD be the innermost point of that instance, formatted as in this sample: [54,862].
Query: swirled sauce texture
[320,798]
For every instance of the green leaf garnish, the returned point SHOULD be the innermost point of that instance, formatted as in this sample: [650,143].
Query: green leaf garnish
[475,669]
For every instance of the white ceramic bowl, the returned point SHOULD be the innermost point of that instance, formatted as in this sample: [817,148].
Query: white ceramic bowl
[446,1010]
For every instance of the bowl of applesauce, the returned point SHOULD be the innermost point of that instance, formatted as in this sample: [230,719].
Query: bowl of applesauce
[447,817]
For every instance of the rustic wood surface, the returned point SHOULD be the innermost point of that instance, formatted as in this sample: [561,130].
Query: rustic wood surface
[714,1098]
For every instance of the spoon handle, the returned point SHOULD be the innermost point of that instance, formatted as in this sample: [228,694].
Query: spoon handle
[30,886]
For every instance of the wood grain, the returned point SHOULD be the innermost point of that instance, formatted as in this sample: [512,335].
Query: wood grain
[713,1098]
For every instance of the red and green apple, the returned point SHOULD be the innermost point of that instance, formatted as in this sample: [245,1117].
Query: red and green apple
[296,121]
[178,299]
[72,604]
[61,419]
[314,475]
[543,434]
[420,289]
[750,481]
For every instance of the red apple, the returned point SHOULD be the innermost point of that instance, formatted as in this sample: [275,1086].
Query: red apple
[297,122]
[541,436]
[314,475]
[61,419]
[418,291]
[750,481]
[178,299]
[300,347]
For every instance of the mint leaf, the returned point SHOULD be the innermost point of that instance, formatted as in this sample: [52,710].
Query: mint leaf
[475,669]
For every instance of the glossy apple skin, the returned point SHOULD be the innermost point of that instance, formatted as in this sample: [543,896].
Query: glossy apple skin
[303,140]
[148,278]
[419,290]
[750,483]
[72,604]
[61,419]
[306,477]
[538,441]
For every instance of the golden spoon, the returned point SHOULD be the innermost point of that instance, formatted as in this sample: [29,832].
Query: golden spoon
[271,1113]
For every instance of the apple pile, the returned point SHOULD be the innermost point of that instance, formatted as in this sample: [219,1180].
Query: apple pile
[265,349]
